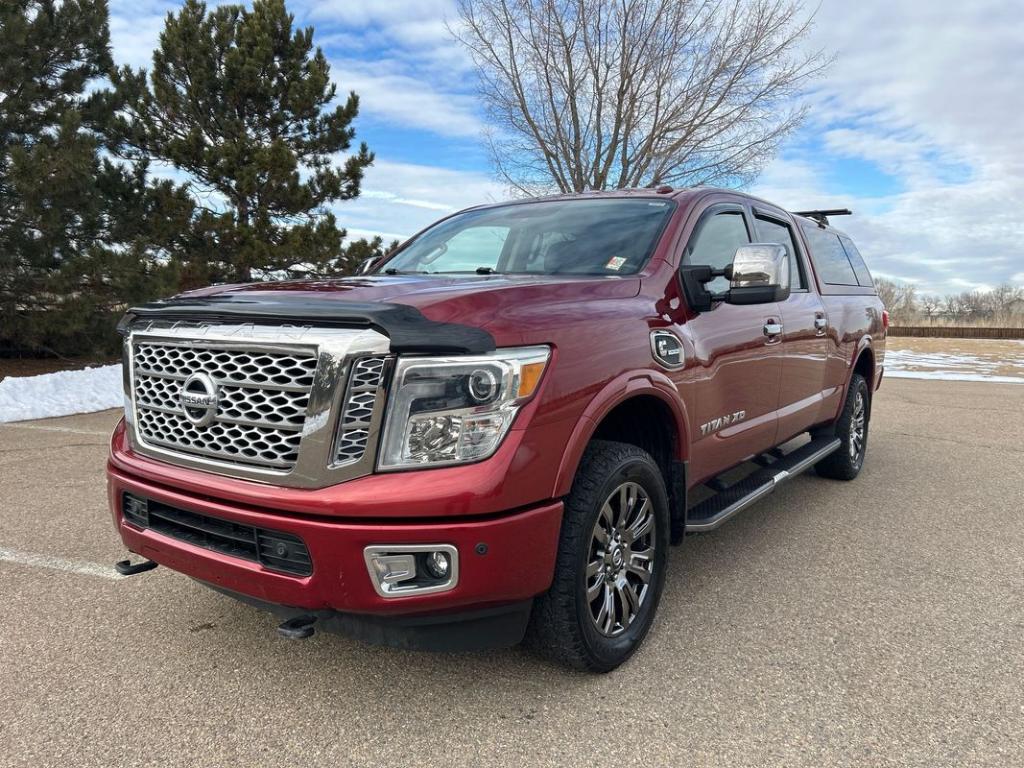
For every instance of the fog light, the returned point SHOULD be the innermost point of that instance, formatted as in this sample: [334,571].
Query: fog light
[438,565]
[412,569]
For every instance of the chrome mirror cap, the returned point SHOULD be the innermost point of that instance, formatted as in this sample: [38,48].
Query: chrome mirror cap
[760,265]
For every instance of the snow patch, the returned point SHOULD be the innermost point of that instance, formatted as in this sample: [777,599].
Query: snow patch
[951,376]
[61,394]
[907,364]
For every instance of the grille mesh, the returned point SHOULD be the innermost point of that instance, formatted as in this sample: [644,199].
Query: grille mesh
[354,432]
[261,407]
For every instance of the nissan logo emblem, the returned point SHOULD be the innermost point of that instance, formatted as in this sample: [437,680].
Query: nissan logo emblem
[199,399]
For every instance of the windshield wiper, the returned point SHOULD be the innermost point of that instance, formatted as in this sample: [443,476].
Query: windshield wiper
[486,271]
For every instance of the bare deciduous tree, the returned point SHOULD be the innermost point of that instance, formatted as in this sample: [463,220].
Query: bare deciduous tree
[596,94]
[900,299]
[931,306]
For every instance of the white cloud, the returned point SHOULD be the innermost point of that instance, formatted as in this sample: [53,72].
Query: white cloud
[387,93]
[135,27]
[396,54]
[399,199]
[929,93]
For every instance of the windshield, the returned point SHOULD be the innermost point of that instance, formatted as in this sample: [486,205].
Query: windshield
[574,237]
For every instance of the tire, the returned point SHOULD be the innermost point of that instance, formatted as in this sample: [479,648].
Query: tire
[852,430]
[579,631]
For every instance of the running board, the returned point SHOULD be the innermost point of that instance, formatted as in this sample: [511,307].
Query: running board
[712,512]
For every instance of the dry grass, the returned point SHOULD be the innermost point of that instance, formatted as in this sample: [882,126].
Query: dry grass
[1011,321]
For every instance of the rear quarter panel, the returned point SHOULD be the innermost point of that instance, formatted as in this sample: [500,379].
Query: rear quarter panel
[855,324]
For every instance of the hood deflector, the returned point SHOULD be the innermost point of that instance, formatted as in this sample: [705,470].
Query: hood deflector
[407,327]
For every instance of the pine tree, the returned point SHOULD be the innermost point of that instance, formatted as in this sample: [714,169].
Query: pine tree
[242,103]
[80,235]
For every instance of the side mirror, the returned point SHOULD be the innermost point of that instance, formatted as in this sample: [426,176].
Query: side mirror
[759,275]
[366,265]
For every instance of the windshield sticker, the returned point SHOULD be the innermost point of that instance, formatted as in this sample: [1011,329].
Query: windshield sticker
[615,262]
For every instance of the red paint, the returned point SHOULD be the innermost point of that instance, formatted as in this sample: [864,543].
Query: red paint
[599,330]
[518,563]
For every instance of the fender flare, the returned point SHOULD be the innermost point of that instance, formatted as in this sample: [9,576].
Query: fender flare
[617,391]
[864,344]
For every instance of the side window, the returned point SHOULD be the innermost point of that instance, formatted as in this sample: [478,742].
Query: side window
[715,243]
[830,257]
[771,231]
[859,267]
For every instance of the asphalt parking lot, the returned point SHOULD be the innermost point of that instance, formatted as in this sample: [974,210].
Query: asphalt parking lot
[873,623]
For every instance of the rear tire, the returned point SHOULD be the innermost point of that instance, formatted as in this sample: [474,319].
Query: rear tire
[852,430]
[610,567]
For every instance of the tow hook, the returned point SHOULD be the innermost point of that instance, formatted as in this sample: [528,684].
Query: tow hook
[297,628]
[127,568]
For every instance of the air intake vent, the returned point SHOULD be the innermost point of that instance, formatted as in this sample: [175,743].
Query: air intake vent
[360,402]
[274,550]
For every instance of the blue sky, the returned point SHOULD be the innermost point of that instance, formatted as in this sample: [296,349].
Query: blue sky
[917,127]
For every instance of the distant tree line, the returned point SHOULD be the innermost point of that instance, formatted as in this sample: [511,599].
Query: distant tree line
[1003,305]
[238,118]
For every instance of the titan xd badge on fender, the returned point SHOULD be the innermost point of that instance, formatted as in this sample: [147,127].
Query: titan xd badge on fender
[722,421]
[667,349]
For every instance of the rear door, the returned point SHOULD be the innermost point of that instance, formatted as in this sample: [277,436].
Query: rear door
[804,348]
[732,397]
[844,297]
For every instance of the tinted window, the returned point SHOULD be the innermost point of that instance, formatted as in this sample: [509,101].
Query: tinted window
[770,231]
[715,244]
[859,267]
[830,257]
[583,237]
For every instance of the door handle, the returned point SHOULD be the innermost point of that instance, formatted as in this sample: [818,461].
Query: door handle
[772,328]
[820,324]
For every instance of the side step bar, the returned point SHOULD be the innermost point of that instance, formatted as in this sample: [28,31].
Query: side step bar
[713,511]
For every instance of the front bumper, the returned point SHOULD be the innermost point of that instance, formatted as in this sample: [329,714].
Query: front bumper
[515,564]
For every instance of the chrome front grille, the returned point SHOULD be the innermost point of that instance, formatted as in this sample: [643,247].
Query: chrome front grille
[364,383]
[261,407]
[290,405]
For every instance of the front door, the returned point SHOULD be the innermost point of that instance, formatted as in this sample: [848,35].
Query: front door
[732,393]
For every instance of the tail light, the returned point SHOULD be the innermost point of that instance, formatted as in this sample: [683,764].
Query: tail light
[885,320]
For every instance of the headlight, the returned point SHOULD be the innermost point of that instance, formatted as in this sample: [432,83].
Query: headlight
[453,410]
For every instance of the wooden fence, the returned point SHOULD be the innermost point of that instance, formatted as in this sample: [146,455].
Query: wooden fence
[956,332]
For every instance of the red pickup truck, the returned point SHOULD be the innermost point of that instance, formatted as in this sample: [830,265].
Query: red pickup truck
[497,432]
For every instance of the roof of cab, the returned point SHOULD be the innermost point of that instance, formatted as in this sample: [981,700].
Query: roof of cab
[682,194]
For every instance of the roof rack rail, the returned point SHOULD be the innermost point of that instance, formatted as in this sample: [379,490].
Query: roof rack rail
[821,216]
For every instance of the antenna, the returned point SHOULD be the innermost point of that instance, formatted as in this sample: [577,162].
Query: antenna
[821,216]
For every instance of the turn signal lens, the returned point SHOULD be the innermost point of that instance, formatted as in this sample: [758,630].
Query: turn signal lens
[529,378]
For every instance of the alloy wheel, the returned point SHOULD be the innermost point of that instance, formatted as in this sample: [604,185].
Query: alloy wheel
[620,562]
[857,427]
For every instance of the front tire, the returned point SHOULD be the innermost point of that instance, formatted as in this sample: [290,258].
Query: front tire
[852,430]
[610,568]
